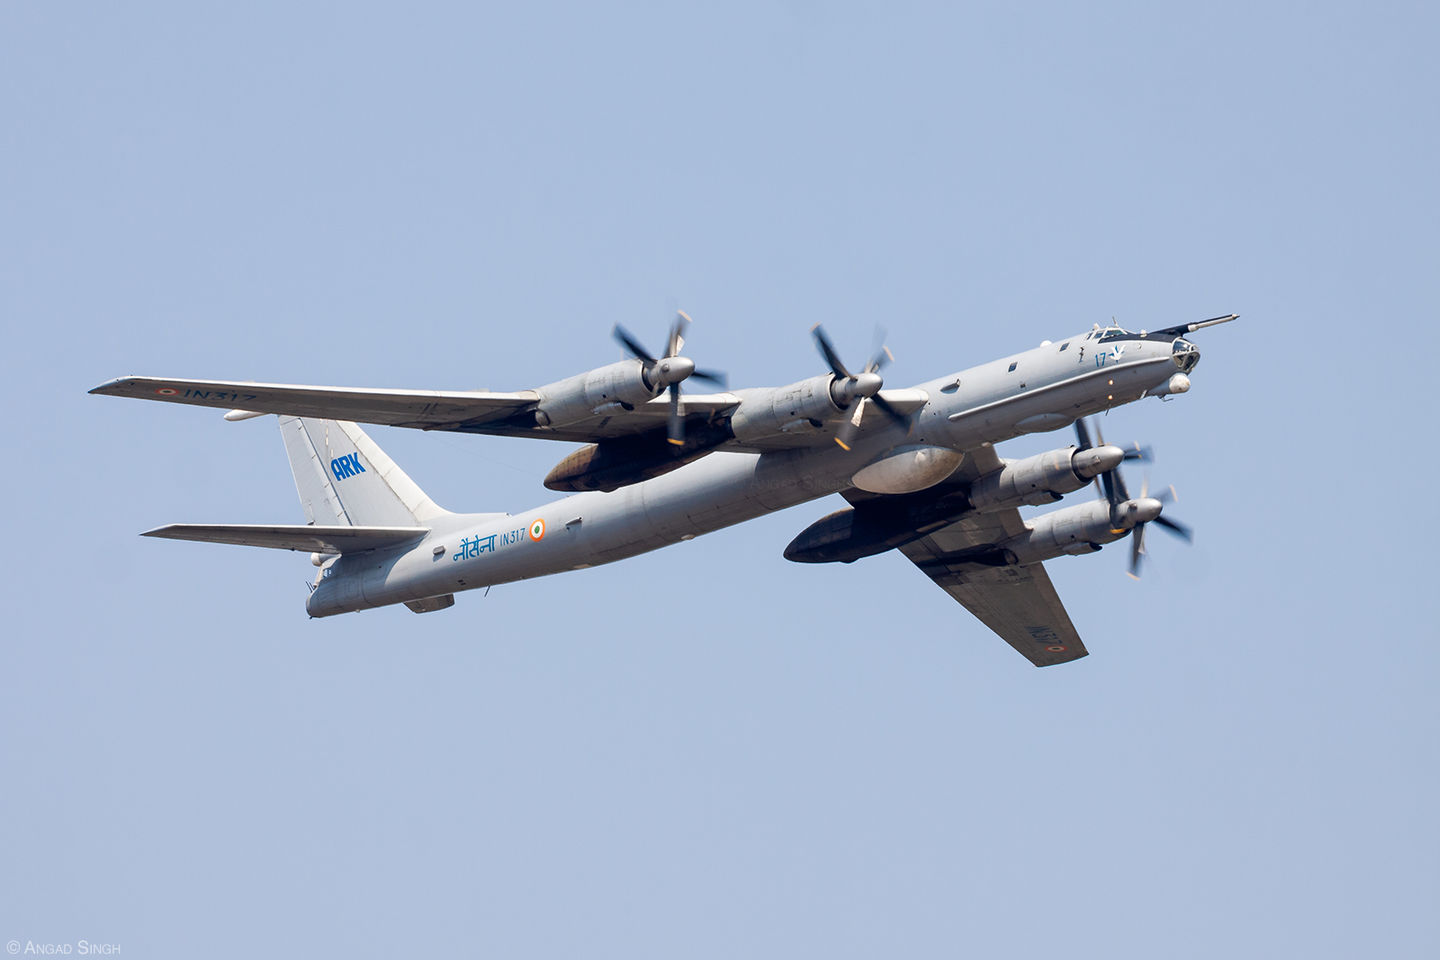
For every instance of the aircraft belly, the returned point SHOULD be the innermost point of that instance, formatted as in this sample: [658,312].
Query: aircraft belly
[728,488]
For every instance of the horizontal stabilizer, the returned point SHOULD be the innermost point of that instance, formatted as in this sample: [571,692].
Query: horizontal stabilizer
[311,539]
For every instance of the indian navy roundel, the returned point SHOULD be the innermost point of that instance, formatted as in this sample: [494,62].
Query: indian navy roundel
[537,530]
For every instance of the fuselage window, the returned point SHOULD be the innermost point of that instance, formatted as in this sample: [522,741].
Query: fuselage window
[1012,366]
[1064,345]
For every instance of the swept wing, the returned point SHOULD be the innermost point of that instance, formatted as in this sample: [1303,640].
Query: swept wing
[1018,603]
[466,411]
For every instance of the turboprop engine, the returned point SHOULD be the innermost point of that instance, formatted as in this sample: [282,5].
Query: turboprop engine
[1079,529]
[799,407]
[620,386]
[1044,478]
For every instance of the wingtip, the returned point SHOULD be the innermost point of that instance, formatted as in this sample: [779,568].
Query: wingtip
[108,385]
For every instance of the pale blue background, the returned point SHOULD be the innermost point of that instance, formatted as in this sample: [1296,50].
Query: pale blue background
[708,751]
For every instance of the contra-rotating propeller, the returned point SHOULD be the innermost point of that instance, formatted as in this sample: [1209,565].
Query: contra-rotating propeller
[668,371]
[857,389]
[1122,507]
[1135,451]
[1137,535]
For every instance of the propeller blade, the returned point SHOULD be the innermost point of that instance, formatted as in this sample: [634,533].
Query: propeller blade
[1144,454]
[1082,433]
[677,334]
[1137,549]
[851,424]
[675,426]
[1177,528]
[631,344]
[716,377]
[827,350]
[881,356]
[1120,483]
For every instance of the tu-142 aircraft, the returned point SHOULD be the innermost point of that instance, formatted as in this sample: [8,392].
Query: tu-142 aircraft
[917,465]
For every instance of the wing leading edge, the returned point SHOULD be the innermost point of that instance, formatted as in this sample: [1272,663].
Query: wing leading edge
[464,411]
[431,409]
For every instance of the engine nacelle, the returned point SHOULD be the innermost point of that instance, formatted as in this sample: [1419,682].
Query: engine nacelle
[612,464]
[766,413]
[1044,478]
[1073,530]
[620,386]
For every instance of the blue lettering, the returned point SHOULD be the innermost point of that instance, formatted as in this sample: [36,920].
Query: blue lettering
[355,463]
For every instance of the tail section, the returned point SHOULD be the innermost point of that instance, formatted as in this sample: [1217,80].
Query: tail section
[345,479]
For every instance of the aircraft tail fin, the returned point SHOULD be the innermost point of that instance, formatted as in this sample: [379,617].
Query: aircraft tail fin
[345,479]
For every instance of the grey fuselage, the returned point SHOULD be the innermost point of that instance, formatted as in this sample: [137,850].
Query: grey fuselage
[1042,389]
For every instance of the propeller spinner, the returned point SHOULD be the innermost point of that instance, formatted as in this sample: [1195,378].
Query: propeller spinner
[667,372]
[854,391]
[1137,512]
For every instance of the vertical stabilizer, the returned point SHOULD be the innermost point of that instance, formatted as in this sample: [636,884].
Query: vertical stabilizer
[344,478]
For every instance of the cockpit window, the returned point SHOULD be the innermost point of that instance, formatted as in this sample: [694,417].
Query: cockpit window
[1111,333]
[1185,354]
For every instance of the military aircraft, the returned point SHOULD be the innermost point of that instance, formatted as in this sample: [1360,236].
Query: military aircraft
[917,465]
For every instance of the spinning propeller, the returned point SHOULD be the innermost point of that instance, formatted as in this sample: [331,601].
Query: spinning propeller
[1148,509]
[1134,452]
[1137,535]
[848,387]
[668,371]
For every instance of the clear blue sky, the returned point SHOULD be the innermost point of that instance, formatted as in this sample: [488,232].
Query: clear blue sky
[709,752]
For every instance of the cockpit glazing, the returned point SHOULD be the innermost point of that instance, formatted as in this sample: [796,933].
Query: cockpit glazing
[1185,354]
